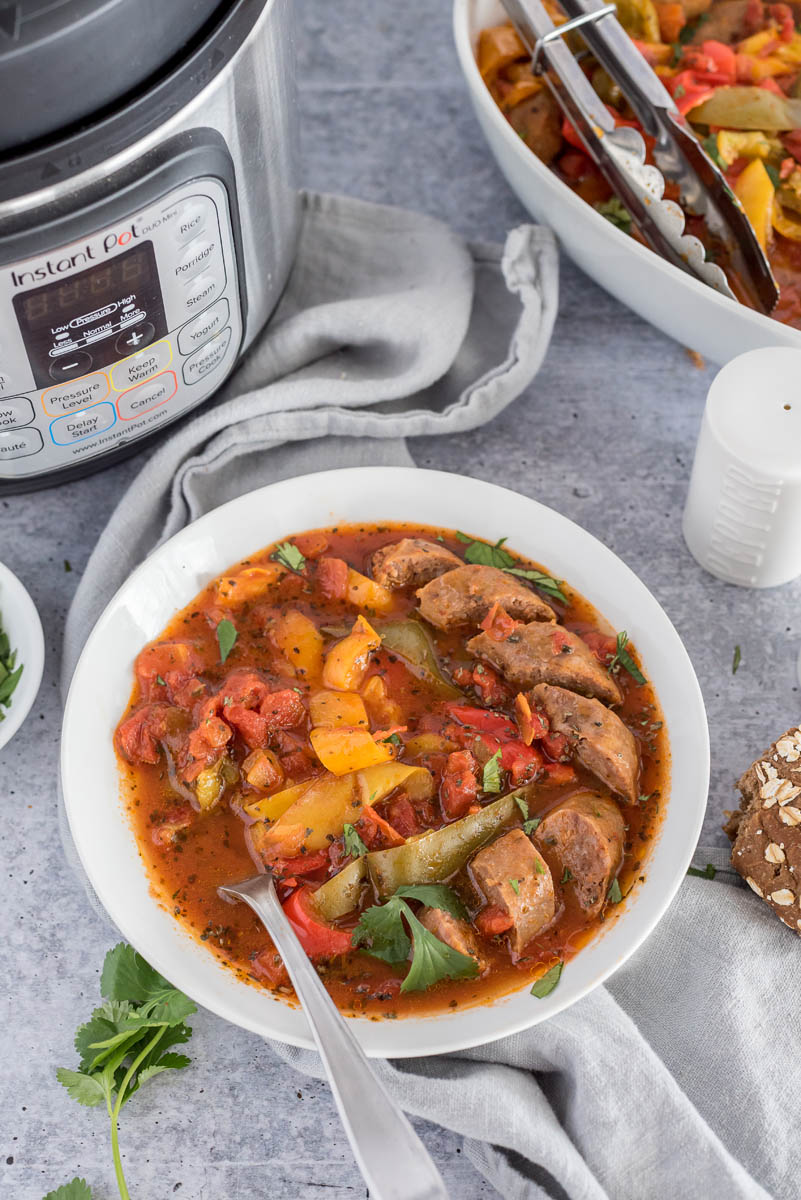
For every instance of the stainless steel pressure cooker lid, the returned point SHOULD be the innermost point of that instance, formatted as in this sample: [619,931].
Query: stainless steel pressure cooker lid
[63,61]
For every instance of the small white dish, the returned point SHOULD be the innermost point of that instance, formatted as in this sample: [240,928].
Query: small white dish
[175,573]
[681,306]
[21,622]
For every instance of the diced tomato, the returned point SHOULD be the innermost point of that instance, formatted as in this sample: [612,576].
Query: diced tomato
[686,91]
[575,165]
[332,578]
[318,939]
[493,920]
[484,720]
[164,831]
[571,135]
[782,14]
[282,710]
[559,772]
[602,646]
[240,687]
[498,624]
[521,761]
[559,641]
[722,55]
[375,832]
[786,168]
[556,746]
[250,725]
[402,816]
[290,586]
[462,676]
[754,18]
[489,685]
[211,735]
[311,545]
[301,864]
[458,789]
[531,722]
[297,765]
[139,737]
[165,669]
[269,965]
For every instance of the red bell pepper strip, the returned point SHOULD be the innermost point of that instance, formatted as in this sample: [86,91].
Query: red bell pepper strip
[484,720]
[318,939]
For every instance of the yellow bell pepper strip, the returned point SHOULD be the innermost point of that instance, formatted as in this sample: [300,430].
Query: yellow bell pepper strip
[346,663]
[754,189]
[337,708]
[639,19]
[270,808]
[748,108]
[366,593]
[421,744]
[345,749]
[248,584]
[733,144]
[786,222]
[433,857]
[411,641]
[383,710]
[317,813]
[209,786]
[497,48]
[342,893]
[300,642]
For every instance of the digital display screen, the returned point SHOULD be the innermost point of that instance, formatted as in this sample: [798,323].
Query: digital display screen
[82,316]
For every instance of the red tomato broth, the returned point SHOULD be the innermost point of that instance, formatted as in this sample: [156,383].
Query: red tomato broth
[212,849]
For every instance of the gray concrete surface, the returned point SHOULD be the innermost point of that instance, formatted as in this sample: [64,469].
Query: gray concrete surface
[605,435]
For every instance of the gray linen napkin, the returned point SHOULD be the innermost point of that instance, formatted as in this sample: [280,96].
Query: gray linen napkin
[665,1082]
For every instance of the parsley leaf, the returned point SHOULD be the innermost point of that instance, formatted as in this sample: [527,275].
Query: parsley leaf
[382,931]
[567,875]
[708,872]
[353,843]
[623,659]
[491,777]
[76,1189]
[289,556]
[614,895]
[434,960]
[226,638]
[9,676]
[529,823]
[123,1044]
[547,982]
[434,895]
[736,660]
[546,583]
[514,884]
[394,739]
[160,681]
[773,174]
[496,556]
[710,144]
[615,212]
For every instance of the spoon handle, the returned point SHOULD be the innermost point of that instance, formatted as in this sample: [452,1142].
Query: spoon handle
[390,1155]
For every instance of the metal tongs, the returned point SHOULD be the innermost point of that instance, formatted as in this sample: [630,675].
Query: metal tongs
[620,152]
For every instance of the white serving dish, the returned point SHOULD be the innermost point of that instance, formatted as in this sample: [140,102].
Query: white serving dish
[676,303]
[173,575]
[21,623]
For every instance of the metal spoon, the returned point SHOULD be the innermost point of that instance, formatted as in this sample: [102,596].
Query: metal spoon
[394,1162]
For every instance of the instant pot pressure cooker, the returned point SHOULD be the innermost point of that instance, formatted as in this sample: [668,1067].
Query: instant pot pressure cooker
[148,216]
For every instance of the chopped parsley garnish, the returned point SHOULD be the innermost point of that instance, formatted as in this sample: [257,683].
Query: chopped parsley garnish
[389,931]
[538,867]
[546,583]
[226,638]
[622,658]
[353,843]
[529,823]
[615,212]
[736,660]
[496,556]
[289,556]
[9,671]
[491,777]
[614,895]
[708,872]
[514,884]
[547,982]
[160,681]
[567,875]
[774,175]
[710,144]
[394,739]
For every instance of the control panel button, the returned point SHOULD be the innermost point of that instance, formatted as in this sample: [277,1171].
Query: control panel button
[5,384]
[203,289]
[20,445]
[209,357]
[15,411]
[197,333]
[139,367]
[142,399]
[68,397]
[81,425]
[192,218]
[71,366]
[199,254]
[134,339]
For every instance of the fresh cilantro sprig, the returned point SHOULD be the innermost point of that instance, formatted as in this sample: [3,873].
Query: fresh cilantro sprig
[615,212]
[529,823]
[389,931]
[491,776]
[125,1042]
[496,556]
[353,843]
[226,638]
[76,1189]
[622,658]
[9,671]
[288,555]
[614,895]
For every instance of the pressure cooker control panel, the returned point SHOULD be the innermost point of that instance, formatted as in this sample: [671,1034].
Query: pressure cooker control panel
[104,339]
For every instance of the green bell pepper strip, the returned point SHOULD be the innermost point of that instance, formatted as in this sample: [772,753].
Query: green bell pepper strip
[341,893]
[411,641]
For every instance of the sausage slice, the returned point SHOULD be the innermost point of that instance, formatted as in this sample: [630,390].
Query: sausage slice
[465,596]
[513,875]
[586,834]
[455,933]
[542,653]
[411,562]
[598,737]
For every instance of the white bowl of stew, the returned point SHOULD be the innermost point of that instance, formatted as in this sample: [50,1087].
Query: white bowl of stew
[162,895]
[676,303]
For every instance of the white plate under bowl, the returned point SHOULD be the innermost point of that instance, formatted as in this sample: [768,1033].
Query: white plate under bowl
[176,572]
[675,302]
[21,622]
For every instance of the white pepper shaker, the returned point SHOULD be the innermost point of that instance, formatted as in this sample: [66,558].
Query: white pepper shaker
[742,520]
